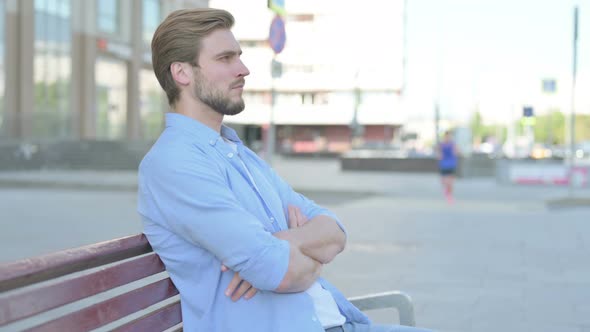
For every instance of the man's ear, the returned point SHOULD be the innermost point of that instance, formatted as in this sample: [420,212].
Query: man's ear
[181,73]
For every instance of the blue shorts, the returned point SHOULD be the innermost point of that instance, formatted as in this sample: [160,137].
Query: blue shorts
[447,171]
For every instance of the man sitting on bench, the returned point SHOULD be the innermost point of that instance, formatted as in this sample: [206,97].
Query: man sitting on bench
[244,250]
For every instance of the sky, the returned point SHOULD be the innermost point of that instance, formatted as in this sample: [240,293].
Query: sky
[491,55]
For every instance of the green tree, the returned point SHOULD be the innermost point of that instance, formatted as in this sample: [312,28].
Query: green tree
[477,127]
[582,127]
[550,128]
[481,131]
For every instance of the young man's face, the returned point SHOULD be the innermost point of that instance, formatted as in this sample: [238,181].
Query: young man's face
[219,79]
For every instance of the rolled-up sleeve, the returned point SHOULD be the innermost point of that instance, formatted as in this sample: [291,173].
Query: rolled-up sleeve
[193,200]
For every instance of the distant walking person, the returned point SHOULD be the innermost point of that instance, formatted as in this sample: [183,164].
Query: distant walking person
[448,156]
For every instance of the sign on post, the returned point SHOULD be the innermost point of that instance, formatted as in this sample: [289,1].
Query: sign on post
[528,116]
[276,69]
[549,86]
[528,112]
[277,35]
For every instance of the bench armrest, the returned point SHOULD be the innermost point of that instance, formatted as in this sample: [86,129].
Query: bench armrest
[394,299]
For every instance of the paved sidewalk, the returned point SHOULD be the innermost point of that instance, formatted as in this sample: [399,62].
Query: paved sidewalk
[497,260]
[317,175]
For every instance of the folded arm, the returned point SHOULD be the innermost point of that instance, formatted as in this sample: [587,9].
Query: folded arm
[320,238]
[313,243]
[303,270]
[195,203]
[301,273]
[288,261]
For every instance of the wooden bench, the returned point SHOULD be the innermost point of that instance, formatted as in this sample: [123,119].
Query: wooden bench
[117,285]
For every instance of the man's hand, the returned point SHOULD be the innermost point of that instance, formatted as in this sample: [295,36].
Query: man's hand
[319,238]
[296,217]
[238,287]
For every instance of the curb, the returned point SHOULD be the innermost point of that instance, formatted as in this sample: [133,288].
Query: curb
[24,184]
[568,202]
[48,184]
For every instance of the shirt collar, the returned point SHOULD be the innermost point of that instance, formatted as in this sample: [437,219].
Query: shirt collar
[199,131]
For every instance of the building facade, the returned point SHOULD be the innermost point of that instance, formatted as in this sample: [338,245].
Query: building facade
[72,70]
[80,69]
[340,77]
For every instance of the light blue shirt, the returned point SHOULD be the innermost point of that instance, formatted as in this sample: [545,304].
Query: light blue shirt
[200,209]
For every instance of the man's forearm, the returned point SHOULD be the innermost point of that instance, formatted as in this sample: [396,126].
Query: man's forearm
[320,238]
[302,272]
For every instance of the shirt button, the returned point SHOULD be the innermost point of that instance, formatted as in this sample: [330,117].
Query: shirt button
[212,142]
[272,219]
[230,155]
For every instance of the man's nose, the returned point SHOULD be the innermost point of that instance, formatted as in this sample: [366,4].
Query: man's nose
[243,70]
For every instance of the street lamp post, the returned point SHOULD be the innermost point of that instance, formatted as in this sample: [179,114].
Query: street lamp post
[355,127]
[276,72]
[572,139]
[276,39]
[437,123]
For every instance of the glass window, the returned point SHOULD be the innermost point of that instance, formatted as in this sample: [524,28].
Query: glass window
[153,104]
[288,98]
[257,98]
[341,98]
[59,8]
[52,69]
[378,98]
[2,72]
[151,18]
[111,98]
[108,16]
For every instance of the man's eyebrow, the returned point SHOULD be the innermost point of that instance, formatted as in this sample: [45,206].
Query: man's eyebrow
[228,53]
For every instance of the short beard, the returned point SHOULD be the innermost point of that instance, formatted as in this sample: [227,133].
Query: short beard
[215,99]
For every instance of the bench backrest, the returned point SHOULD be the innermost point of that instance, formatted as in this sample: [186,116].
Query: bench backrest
[117,285]
[81,289]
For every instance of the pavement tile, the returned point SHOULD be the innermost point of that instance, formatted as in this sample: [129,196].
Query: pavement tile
[553,311]
[490,311]
[519,326]
[491,262]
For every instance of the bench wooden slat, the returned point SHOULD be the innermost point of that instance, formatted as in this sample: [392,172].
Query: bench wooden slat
[25,302]
[22,305]
[112,309]
[160,320]
[29,271]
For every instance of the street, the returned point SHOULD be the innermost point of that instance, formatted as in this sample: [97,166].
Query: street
[497,259]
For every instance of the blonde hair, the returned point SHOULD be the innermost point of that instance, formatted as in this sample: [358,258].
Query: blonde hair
[178,39]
